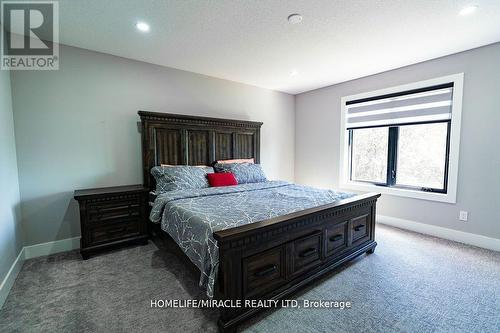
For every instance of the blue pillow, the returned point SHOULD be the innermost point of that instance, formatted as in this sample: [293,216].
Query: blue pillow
[180,177]
[244,172]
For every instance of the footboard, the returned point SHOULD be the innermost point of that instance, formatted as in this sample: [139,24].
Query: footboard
[273,258]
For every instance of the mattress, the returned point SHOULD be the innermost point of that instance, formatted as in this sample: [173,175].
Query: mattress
[191,217]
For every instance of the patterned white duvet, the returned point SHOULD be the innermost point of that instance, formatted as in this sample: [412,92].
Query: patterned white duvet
[191,216]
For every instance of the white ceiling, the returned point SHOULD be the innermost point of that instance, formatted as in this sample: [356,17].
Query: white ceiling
[252,42]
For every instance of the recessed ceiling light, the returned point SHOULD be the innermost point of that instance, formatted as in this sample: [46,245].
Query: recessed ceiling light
[294,73]
[295,18]
[144,27]
[468,10]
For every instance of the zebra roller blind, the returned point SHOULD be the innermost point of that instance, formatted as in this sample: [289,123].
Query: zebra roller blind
[409,107]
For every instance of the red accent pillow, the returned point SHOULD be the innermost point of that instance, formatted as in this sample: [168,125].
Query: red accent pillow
[221,179]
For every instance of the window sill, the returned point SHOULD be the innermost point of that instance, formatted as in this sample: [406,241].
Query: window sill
[440,197]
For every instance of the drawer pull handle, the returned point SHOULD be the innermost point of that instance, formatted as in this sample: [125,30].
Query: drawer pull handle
[267,271]
[111,232]
[359,227]
[336,238]
[308,252]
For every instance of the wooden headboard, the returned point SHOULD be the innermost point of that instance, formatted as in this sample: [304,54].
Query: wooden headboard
[190,140]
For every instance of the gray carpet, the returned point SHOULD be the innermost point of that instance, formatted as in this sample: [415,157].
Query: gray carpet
[413,283]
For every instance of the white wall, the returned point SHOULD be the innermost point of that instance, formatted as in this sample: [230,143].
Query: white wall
[10,231]
[317,140]
[77,128]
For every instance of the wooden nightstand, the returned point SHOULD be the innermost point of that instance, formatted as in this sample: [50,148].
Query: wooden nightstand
[112,216]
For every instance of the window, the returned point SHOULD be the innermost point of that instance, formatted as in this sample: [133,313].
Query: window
[422,155]
[402,140]
[369,147]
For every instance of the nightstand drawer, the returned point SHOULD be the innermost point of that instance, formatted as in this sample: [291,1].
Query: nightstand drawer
[113,231]
[112,210]
[113,202]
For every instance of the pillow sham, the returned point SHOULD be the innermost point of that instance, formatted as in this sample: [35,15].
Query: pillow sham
[180,177]
[241,160]
[244,172]
[197,166]
[221,179]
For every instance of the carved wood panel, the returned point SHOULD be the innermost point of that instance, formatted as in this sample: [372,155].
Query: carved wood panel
[224,144]
[198,147]
[244,145]
[168,146]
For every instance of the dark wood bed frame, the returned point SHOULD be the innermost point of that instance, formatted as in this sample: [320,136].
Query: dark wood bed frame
[270,259]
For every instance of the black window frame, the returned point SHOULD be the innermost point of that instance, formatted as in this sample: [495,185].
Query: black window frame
[392,152]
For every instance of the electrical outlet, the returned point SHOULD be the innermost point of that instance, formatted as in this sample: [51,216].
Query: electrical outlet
[463,215]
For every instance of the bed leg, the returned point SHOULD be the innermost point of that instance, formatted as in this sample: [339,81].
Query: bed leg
[370,251]
[372,248]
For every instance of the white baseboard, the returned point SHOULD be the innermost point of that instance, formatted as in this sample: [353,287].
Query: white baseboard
[44,249]
[11,276]
[450,234]
[34,251]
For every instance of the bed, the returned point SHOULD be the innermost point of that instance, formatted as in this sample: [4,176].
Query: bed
[262,240]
